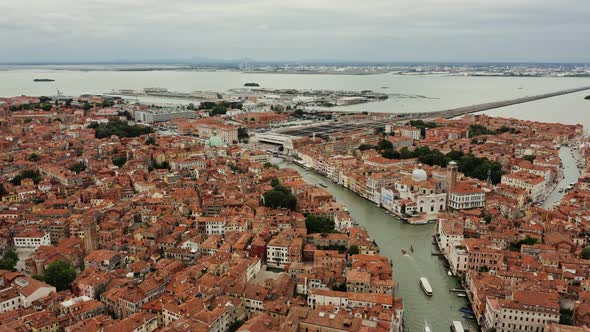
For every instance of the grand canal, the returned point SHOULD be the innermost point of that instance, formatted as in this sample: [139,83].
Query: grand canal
[392,235]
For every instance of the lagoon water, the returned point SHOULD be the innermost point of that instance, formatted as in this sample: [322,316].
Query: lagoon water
[408,94]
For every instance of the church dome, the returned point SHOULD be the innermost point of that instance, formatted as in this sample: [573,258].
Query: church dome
[419,174]
[215,141]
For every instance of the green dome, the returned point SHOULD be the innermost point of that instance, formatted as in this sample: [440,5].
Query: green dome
[215,141]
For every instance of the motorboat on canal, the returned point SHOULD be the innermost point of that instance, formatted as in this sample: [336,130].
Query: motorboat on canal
[456,326]
[426,286]
[323,185]
[426,327]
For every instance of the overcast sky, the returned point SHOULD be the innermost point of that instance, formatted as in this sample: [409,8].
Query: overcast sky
[361,30]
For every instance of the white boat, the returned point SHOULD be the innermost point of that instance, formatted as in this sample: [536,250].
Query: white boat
[456,326]
[426,327]
[323,185]
[461,295]
[426,286]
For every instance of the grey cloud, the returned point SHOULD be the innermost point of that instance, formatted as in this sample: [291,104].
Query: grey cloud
[379,30]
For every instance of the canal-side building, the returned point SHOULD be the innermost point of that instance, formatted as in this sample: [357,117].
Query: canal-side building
[466,196]
[534,185]
[525,311]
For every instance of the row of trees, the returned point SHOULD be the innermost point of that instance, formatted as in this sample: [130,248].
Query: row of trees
[27,174]
[478,130]
[279,197]
[119,128]
[218,108]
[470,165]
[318,224]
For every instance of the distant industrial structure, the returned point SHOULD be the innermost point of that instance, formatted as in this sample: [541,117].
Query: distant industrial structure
[164,114]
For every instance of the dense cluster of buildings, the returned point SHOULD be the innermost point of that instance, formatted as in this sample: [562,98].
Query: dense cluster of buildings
[171,233]
[523,267]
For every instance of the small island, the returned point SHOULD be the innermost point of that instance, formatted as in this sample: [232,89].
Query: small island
[43,80]
[587,97]
[251,84]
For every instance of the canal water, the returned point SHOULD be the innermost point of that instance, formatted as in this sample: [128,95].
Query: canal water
[571,173]
[392,235]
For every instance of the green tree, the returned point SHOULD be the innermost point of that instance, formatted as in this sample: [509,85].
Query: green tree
[299,113]
[566,317]
[586,253]
[3,190]
[27,120]
[119,161]
[163,165]
[339,287]
[317,224]
[275,182]
[422,124]
[150,141]
[119,128]
[243,134]
[9,260]
[353,250]
[236,325]
[78,167]
[280,197]
[59,274]
[34,157]
[384,145]
[27,174]
[218,110]
[46,107]
[529,157]
[270,165]
[364,147]
[528,241]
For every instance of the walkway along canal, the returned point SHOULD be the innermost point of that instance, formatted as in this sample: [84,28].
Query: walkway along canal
[391,236]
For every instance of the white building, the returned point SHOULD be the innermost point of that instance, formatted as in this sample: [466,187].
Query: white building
[414,133]
[342,221]
[213,225]
[31,290]
[32,239]
[160,115]
[9,299]
[466,196]
[253,268]
[534,185]
[457,257]
[526,311]
[277,253]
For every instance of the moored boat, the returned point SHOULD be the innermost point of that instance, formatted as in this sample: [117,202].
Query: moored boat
[426,286]
[456,326]
[466,310]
